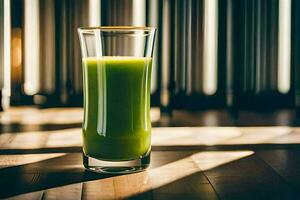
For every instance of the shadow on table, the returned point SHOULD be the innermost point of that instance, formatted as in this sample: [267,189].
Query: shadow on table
[73,149]
[247,177]
[44,174]
[50,173]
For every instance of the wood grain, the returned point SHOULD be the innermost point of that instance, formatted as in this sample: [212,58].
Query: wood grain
[40,158]
[249,178]
[68,192]
[29,196]
[184,136]
[285,162]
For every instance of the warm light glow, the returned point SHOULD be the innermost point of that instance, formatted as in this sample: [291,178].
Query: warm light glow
[284,46]
[47,50]
[68,138]
[33,116]
[158,177]
[42,139]
[155,114]
[186,166]
[72,191]
[16,52]
[210,136]
[117,187]
[16,55]
[210,60]
[193,135]
[31,46]
[161,137]
[266,135]
[212,159]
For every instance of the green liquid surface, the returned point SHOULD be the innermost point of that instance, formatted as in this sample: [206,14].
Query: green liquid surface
[116,107]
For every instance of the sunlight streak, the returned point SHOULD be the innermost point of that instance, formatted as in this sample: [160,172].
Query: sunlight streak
[211,159]
[15,160]
[41,139]
[140,183]
[186,166]
[33,116]
[176,136]
[210,136]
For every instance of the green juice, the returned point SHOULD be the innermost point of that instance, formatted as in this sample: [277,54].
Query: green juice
[116,122]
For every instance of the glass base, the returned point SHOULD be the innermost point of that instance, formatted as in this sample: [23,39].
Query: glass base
[116,167]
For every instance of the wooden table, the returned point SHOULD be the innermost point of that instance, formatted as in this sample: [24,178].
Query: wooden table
[40,158]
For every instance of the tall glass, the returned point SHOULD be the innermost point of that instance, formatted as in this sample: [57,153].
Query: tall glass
[116,80]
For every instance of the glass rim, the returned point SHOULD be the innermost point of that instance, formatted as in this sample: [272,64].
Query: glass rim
[117,28]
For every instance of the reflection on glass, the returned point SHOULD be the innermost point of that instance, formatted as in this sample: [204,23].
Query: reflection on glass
[117,79]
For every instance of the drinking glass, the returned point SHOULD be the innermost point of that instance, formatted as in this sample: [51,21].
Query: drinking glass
[116,129]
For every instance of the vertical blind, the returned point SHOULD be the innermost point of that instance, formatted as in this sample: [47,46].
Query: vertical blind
[208,53]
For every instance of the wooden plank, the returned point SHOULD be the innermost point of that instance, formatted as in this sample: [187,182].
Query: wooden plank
[39,172]
[187,188]
[284,162]
[34,116]
[15,160]
[211,136]
[6,139]
[186,174]
[28,196]
[173,175]
[14,182]
[68,192]
[248,178]
[41,139]
[185,136]
[132,185]
[119,187]
[178,177]
[56,116]
[137,185]
[99,189]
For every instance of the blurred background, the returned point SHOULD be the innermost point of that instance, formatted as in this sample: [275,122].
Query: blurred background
[216,63]
[209,54]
